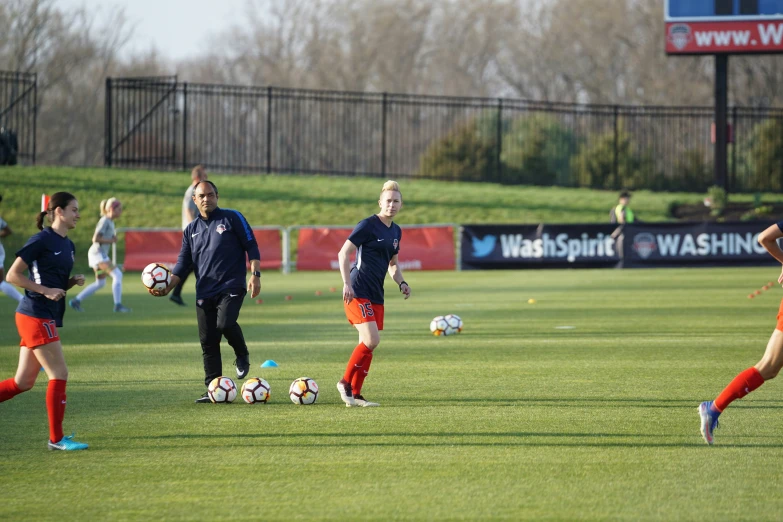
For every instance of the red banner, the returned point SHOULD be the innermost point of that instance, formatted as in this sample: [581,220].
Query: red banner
[143,247]
[724,37]
[422,248]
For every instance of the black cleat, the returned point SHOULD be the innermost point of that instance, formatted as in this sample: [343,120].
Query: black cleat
[177,299]
[242,362]
[204,399]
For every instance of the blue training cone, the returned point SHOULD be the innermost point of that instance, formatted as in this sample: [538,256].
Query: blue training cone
[269,363]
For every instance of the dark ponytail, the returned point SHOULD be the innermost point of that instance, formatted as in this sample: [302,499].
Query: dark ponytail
[58,200]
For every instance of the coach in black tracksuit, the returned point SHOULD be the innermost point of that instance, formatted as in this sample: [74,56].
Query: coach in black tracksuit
[215,245]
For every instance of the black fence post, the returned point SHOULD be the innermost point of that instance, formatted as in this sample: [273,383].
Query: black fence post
[615,166]
[185,126]
[107,125]
[733,183]
[269,129]
[499,141]
[35,112]
[383,134]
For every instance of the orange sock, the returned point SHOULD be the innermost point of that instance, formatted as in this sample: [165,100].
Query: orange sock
[355,361]
[9,389]
[55,407]
[360,374]
[743,384]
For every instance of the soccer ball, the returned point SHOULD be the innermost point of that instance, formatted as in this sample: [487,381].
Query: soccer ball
[304,390]
[256,390]
[222,389]
[455,324]
[156,276]
[439,326]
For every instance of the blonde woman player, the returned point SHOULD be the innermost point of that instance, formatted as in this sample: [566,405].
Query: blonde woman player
[376,242]
[98,258]
[48,258]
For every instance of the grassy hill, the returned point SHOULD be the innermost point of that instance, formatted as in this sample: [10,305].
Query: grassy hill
[153,199]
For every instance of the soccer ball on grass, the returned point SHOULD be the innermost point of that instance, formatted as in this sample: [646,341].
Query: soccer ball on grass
[304,390]
[222,390]
[256,390]
[446,325]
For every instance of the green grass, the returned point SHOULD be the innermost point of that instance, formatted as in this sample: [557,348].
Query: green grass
[153,199]
[512,419]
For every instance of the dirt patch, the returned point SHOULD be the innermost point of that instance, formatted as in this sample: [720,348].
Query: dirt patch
[733,212]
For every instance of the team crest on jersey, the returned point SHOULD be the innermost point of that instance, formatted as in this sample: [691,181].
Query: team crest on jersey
[220,229]
[396,242]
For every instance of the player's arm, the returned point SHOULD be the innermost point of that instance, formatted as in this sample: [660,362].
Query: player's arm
[16,277]
[344,258]
[254,284]
[769,240]
[396,274]
[5,231]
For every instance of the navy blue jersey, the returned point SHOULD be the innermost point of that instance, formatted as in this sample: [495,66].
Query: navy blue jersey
[376,244]
[49,258]
[215,247]
[780,225]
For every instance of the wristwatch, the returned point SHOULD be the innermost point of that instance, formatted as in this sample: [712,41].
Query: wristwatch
[256,273]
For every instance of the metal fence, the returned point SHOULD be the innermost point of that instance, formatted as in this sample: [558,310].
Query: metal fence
[161,123]
[19,109]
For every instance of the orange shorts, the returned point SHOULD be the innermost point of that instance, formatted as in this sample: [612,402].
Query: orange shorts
[361,310]
[36,332]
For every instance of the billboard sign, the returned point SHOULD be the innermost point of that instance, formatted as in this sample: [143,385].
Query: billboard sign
[723,26]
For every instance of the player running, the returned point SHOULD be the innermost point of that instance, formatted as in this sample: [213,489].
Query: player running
[769,365]
[48,257]
[98,258]
[376,242]
[7,289]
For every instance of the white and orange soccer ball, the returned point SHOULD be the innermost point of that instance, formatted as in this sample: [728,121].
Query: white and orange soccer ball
[454,324]
[156,276]
[304,390]
[446,325]
[222,390]
[256,390]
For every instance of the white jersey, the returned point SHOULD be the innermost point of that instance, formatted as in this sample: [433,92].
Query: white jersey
[105,230]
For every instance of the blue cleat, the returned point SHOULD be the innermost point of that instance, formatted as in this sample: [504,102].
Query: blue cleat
[68,444]
[76,305]
[709,421]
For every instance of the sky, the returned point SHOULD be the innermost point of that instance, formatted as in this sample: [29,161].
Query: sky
[179,29]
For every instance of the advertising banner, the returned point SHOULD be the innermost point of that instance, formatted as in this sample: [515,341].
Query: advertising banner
[724,37]
[538,246]
[143,247]
[421,248]
[689,244]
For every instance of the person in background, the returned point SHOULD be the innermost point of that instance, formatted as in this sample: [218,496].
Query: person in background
[622,213]
[6,288]
[48,258]
[98,258]
[189,213]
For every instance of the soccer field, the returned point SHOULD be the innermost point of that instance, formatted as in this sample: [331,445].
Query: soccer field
[515,418]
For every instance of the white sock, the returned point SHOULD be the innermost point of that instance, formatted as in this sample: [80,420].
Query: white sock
[11,291]
[91,289]
[116,285]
